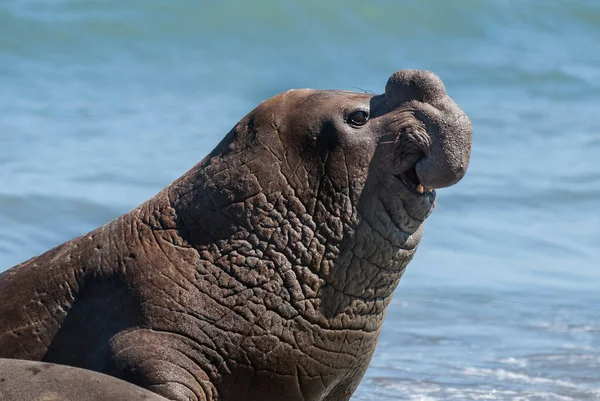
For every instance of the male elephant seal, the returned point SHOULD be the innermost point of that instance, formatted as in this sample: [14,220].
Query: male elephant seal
[40,381]
[264,272]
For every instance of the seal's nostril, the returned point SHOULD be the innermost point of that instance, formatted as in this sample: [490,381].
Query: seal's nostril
[408,85]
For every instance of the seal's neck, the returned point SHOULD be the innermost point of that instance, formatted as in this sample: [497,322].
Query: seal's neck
[310,252]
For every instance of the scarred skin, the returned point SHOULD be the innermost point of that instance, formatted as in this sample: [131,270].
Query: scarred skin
[264,272]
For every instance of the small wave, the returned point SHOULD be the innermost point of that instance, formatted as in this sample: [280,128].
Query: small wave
[421,390]
[503,374]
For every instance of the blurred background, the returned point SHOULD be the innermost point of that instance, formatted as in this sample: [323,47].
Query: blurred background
[103,103]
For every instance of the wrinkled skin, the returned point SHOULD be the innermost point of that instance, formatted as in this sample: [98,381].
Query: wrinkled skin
[264,272]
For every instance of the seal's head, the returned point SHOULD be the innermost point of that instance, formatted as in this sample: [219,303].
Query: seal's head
[337,183]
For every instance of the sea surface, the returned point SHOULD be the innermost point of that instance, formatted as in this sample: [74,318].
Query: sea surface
[103,103]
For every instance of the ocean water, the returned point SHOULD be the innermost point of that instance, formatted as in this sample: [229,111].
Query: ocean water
[103,103]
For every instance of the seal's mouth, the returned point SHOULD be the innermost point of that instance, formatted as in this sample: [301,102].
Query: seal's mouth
[410,179]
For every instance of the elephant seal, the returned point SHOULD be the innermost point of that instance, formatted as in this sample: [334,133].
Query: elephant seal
[40,381]
[264,272]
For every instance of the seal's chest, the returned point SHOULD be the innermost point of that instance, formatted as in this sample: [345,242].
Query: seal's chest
[296,364]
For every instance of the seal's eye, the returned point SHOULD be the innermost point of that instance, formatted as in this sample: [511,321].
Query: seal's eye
[358,118]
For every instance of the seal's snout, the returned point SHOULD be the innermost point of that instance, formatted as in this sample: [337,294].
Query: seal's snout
[407,85]
[448,128]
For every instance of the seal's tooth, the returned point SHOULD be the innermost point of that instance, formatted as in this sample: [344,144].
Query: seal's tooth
[420,188]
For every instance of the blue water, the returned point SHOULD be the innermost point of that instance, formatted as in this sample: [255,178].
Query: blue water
[103,103]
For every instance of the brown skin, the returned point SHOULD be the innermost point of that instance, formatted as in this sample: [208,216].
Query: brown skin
[264,272]
[39,381]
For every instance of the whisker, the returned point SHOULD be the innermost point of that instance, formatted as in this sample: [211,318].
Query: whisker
[392,156]
[363,90]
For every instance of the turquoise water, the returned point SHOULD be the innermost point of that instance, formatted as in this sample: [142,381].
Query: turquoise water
[103,103]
